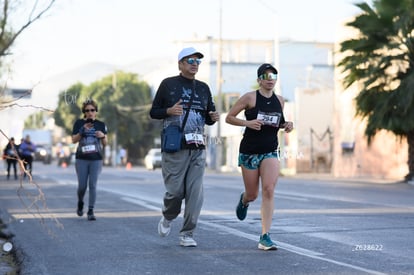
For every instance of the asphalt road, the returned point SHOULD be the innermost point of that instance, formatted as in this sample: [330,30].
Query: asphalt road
[322,226]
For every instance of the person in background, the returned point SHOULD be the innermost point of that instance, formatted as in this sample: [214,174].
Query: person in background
[26,150]
[259,151]
[183,170]
[90,134]
[122,155]
[10,153]
[60,154]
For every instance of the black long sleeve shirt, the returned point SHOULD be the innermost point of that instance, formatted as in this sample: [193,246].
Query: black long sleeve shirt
[170,91]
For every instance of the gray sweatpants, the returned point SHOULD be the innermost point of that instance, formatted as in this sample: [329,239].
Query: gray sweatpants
[183,179]
[88,171]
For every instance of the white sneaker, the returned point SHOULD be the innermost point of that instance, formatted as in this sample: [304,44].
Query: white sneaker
[164,227]
[187,241]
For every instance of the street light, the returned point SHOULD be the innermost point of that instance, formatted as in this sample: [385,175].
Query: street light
[219,84]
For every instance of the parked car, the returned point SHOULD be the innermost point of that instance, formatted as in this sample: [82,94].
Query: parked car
[153,159]
[43,153]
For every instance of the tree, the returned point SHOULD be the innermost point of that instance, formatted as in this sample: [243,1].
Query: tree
[32,12]
[37,120]
[14,11]
[380,59]
[7,33]
[68,109]
[123,101]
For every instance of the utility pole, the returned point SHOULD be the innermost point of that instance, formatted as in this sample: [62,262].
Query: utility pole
[219,97]
[114,139]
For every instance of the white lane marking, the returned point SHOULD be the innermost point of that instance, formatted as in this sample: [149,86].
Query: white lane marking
[147,201]
[294,249]
[253,237]
[291,248]
[142,203]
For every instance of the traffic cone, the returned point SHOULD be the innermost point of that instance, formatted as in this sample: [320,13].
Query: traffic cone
[128,166]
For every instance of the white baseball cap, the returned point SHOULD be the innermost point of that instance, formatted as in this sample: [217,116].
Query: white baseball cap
[189,51]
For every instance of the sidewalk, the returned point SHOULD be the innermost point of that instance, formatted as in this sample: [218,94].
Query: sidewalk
[308,176]
[325,177]
[7,259]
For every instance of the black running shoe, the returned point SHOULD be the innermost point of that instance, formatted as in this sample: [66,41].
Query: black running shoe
[79,211]
[241,209]
[91,216]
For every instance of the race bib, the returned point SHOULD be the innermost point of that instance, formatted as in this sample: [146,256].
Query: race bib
[192,138]
[88,149]
[271,119]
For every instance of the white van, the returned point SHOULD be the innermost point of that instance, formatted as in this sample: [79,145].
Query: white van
[153,159]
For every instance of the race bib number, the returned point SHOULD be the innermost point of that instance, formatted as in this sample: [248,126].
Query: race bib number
[271,119]
[88,149]
[191,138]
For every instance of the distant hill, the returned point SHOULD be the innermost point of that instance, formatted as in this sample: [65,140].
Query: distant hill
[45,94]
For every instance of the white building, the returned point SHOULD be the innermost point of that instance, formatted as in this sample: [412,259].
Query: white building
[328,138]
[305,65]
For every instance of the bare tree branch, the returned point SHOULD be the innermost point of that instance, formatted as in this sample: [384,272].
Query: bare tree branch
[5,42]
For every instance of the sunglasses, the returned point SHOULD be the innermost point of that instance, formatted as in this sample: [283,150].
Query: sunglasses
[89,110]
[268,76]
[191,61]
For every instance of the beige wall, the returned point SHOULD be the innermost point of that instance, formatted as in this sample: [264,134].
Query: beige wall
[385,158]
[313,121]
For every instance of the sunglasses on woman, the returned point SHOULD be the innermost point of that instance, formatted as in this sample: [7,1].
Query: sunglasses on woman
[268,76]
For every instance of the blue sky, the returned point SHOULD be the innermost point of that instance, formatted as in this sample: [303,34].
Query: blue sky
[124,31]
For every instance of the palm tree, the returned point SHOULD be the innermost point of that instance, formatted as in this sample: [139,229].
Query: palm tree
[380,59]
